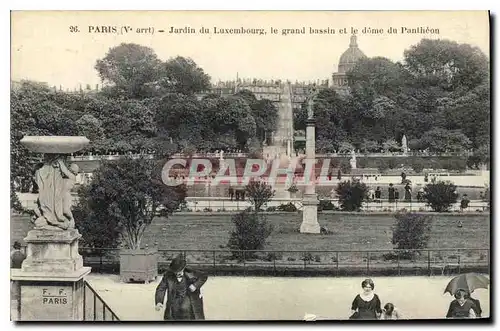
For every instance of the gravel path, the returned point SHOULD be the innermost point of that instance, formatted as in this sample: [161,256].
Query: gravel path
[273,298]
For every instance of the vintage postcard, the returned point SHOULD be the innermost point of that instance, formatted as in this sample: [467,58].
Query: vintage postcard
[250,165]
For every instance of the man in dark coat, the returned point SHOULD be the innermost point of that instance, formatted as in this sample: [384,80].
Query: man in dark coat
[182,286]
[16,256]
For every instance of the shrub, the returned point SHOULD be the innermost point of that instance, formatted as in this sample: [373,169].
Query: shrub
[324,230]
[440,195]
[382,165]
[392,163]
[250,233]
[411,231]
[418,165]
[308,257]
[288,207]
[293,189]
[362,162]
[273,256]
[325,205]
[351,194]
[272,208]
[452,164]
[258,193]
[345,167]
[121,202]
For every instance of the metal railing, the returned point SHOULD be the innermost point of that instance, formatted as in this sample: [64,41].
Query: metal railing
[213,204]
[426,262]
[94,307]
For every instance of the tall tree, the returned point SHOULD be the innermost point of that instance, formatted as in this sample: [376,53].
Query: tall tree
[183,75]
[131,70]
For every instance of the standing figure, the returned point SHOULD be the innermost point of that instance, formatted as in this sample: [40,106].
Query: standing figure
[16,256]
[182,286]
[366,305]
[461,307]
[378,193]
[396,194]
[420,195]
[408,192]
[464,203]
[391,193]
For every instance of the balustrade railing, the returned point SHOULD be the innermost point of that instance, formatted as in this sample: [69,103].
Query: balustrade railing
[94,307]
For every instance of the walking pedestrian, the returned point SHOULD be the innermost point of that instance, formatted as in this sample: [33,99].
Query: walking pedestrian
[182,286]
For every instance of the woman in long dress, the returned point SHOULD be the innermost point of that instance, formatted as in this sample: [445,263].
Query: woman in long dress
[366,305]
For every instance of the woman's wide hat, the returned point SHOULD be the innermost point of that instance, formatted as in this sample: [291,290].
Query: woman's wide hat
[178,263]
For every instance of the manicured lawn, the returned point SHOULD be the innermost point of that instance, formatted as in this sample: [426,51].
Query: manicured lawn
[350,231]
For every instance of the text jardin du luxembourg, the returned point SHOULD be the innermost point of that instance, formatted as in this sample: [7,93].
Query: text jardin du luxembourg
[217,30]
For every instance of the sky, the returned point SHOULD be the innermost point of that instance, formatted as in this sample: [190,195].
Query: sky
[43,47]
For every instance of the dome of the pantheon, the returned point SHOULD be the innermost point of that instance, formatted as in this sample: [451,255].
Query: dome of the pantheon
[352,55]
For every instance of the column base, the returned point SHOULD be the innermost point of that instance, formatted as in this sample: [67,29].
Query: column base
[310,215]
[52,251]
[50,296]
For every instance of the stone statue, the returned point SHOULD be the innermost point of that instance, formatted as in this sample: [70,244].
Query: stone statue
[55,180]
[310,110]
[353,159]
[404,145]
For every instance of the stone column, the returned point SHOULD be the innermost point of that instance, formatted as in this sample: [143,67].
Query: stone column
[50,282]
[310,201]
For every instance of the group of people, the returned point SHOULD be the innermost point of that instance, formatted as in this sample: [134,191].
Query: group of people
[182,285]
[367,305]
[393,193]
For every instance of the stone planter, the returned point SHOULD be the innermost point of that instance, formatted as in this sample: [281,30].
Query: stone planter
[138,265]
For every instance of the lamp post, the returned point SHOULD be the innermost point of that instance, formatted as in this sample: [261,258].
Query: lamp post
[310,200]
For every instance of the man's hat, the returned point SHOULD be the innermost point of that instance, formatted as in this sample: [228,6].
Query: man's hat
[17,245]
[177,264]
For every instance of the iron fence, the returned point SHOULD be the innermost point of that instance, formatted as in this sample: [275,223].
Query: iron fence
[419,262]
[214,204]
[94,307]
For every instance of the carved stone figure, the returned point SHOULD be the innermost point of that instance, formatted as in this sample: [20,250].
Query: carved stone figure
[353,160]
[404,145]
[55,180]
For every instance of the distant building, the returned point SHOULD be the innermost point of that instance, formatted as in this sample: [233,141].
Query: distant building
[347,62]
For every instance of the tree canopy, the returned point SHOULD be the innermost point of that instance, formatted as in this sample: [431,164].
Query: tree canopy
[438,96]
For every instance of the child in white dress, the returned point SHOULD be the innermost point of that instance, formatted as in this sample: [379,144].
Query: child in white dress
[390,312]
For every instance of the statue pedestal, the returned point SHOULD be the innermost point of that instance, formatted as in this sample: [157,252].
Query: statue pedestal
[310,214]
[50,282]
